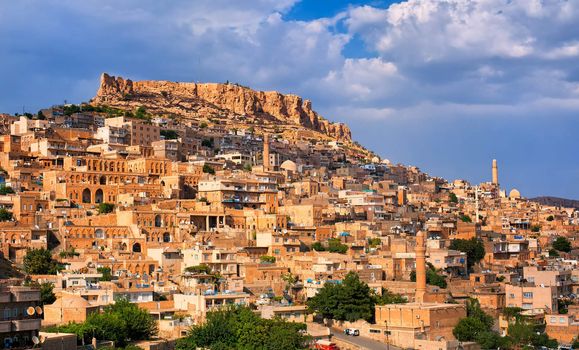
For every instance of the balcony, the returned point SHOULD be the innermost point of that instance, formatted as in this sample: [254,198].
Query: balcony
[26,325]
[4,297]
[20,296]
[5,326]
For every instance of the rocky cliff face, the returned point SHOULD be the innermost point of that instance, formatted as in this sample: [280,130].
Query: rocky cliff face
[194,100]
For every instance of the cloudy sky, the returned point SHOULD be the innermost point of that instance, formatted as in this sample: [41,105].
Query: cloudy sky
[446,85]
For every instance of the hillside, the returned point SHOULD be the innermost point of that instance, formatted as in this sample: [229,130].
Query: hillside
[231,104]
[556,202]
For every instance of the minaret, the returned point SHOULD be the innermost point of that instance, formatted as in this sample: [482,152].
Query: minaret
[420,268]
[495,172]
[266,166]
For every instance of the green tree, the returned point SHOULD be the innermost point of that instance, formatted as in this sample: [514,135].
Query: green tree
[207,143]
[474,249]
[432,277]
[139,324]
[247,167]
[141,113]
[478,327]
[40,262]
[201,269]
[453,198]
[169,134]
[335,246]
[69,253]
[240,328]
[106,273]
[553,253]
[468,329]
[374,242]
[473,309]
[550,218]
[465,218]
[6,190]
[208,169]
[318,247]
[267,259]
[535,228]
[562,244]
[105,208]
[350,300]
[387,297]
[46,293]
[5,215]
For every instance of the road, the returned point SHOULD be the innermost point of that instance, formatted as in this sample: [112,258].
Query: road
[367,343]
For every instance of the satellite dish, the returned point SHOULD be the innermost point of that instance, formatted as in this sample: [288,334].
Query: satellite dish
[35,340]
[39,310]
[30,311]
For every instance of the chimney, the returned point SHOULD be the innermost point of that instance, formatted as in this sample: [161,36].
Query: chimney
[420,268]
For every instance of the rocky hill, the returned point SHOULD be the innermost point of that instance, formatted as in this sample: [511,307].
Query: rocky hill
[556,202]
[227,102]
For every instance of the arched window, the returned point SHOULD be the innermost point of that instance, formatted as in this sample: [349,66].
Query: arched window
[98,196]
[137,248]
[158,220]
[86,196]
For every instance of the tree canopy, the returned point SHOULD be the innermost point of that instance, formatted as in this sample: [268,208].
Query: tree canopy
[432,277]
[562,244]
[40,262]
[5,215]
[474,249]
[240,328]
[120,322]
[105,208]
[333,246]
[350,300]
[387,297]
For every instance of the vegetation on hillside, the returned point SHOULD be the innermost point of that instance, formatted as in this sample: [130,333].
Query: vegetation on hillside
[121,322]
[241,328]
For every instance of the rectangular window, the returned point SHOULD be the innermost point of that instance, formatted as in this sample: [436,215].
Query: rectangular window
[528,295]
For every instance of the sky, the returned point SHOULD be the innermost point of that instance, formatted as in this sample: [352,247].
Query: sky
[445,85]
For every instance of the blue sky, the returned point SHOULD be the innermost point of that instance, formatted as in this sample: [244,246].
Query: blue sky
[446,85]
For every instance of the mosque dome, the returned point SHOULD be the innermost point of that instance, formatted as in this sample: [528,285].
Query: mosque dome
[385,161]
[289,166]
[514,194]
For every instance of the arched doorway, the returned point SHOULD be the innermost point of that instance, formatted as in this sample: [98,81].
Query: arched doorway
[98,196]
[86,196]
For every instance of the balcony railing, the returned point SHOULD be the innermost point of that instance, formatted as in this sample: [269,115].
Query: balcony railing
[26,325]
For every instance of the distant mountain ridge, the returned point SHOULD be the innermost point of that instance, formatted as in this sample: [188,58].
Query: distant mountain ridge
[228,102]
[556,202]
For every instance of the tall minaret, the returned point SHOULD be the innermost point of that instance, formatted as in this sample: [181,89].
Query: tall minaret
[495,172]
[266,163]
[420,268]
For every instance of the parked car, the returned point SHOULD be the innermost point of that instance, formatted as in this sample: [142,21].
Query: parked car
[352,331]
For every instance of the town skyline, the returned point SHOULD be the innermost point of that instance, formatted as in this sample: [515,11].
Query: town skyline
[449,109]
[289,174]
